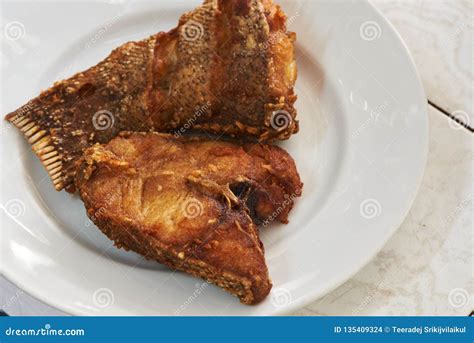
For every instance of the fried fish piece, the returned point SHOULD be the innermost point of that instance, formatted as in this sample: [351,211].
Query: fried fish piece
[191,204]
[228,68]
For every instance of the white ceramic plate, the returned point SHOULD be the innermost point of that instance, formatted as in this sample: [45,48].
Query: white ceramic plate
[361,153]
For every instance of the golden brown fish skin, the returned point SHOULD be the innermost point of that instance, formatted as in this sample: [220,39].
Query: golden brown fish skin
[91,107]
[234,74]
[176,200]
[228,68]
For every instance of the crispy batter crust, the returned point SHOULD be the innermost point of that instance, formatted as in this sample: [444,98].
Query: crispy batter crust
[228,68]
[185,203]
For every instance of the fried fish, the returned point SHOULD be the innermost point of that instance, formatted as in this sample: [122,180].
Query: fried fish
[191,204]
[227,68]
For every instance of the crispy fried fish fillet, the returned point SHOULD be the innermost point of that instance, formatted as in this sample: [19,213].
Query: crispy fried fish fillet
[191,204]
[228,68]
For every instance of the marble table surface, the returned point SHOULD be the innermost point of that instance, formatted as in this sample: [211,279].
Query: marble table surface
[426,268]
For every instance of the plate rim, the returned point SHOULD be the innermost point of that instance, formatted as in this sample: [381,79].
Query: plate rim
[313,296]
